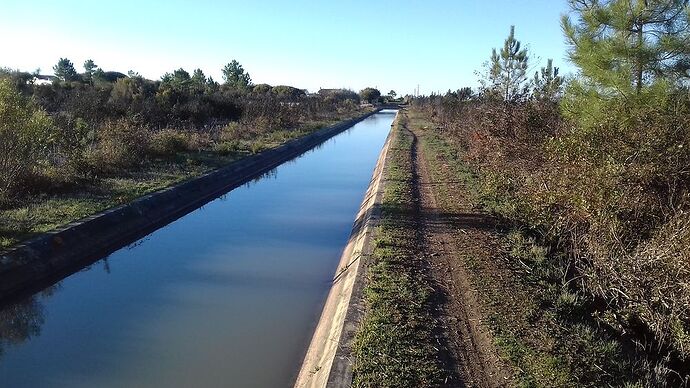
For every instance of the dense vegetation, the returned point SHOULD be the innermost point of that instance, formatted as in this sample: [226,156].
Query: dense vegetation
[112,137]
[595,170]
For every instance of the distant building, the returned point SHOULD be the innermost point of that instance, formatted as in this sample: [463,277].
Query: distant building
[44,79]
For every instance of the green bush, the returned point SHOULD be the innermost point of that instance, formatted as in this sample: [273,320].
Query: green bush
[618,189]
[26,137]
[227,147]
[257,146]
[233,131]
[168,143]
[119,145]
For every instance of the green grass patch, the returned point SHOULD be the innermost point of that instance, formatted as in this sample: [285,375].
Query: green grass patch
[42,213]
[394,346]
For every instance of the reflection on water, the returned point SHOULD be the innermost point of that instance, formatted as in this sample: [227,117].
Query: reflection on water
[226,296]
[270,174]
[19,321]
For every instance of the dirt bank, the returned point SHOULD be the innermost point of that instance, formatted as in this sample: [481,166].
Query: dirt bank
[451,240]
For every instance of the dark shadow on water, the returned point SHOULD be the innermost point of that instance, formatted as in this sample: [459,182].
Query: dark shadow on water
[22,320]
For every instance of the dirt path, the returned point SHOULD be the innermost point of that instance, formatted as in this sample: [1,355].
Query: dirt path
[465,342]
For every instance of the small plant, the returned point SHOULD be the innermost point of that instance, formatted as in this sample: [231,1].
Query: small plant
[233,131]
[168,143]
[257,146]
[227,147]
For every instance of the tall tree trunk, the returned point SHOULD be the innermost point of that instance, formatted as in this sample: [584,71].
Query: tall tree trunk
[640,43]
[639,69]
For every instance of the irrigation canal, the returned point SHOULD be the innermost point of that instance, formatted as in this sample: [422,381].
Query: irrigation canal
[227,295]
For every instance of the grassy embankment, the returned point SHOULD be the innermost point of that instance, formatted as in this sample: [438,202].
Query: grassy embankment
[172,158]
[394,345]
[544,330]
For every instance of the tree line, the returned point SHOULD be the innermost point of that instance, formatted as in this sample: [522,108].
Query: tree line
[86,124]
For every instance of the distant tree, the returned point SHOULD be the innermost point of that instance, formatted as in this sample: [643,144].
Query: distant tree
[98,75]
[508,69]
[89,68]
[338,95]
[179,78]
[235,76]
[133,74]
[370,95]
[547,82]
[198,81]
[174,88]
[392,94]
[198,77]
[284,91]
[65,71]
[622,45]
[211,85]
[465,93]
[261,89]
[108,76]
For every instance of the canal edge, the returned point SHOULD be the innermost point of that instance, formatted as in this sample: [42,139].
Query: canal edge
[54,255]
[328,361]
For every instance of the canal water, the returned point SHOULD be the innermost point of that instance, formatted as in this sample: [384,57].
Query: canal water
[227,296]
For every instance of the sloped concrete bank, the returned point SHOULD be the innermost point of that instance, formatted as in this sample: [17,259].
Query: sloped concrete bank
[52,256]
[328,360]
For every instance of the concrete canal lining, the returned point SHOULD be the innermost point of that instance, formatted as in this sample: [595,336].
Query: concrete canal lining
[52,256]
[328,360]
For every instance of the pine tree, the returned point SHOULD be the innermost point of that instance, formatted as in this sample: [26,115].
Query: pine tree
[465,93]
[623,45]
[235,76]
[211,85]
[89,68]
[508,68]
[198,81]
[65,71]
[547,82]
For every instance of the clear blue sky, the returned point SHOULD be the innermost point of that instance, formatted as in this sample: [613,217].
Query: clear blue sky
[308,44]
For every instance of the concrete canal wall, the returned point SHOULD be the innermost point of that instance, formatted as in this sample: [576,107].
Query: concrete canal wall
[328,360]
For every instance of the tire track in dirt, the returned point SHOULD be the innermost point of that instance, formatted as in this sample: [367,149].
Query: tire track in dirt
[466,346]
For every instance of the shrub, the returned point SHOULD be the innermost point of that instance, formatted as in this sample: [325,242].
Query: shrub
[227,147]
[233,131]
[257,147]
[169,142]
[119,145]
[26,136]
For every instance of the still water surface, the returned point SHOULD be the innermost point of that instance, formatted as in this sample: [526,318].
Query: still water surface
[227,296]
